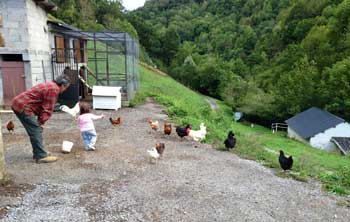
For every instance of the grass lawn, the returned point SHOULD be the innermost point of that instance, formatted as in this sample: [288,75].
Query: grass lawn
[258,143]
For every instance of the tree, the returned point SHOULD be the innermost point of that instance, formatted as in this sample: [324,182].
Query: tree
[297,90]
[171,44]
[282,51]
[335,88]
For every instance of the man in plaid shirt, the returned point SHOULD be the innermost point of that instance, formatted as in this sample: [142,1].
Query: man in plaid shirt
[39,101]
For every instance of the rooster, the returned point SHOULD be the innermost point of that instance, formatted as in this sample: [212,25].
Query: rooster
[153,154]
[160,147]
[182,132]
[167,128]
[115,121]
[154,124]
[198,135]
[73,112]
[285,163]
[10,126]
[230,141]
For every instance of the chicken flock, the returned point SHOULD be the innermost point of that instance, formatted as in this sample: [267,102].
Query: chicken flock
[157,151]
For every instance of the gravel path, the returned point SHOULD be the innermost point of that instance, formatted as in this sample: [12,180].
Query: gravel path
[117,183]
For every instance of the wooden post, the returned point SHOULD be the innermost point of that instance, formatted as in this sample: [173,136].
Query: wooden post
[2,159]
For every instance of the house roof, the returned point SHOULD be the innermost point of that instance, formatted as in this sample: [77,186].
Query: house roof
[47,5]
[343,143]
[60,26]
[313,121]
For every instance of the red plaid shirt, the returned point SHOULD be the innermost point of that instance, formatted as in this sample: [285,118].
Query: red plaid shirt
[39,100]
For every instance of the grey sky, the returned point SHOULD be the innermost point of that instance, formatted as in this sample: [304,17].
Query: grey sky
[133,4]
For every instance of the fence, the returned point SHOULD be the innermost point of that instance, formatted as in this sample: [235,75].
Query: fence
[110,59]
[281,126]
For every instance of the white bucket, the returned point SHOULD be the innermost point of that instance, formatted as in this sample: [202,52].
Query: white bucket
[67,146]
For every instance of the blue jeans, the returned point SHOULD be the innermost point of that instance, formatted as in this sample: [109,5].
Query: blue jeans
[35,133]
[89,138]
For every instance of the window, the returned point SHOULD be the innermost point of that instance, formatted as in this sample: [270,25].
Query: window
[78,50]
[59,47]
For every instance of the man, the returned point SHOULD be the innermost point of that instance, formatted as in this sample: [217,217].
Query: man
[39,101]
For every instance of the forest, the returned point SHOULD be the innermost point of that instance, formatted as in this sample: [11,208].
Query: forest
[270,59]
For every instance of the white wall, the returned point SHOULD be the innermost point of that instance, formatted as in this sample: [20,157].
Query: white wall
[323,140]
[292,134]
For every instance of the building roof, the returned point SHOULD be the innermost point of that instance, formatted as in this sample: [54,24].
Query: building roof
[313,121]
[60,26]
[343,143]
[68,30]
[47,5]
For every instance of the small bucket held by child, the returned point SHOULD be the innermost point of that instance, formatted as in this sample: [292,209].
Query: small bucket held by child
[66,146]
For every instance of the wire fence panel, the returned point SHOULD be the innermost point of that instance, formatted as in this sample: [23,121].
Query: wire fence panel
[108,58]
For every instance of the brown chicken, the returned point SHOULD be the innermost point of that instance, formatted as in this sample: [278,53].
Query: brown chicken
[10,126]
[154,124]
[160,147]
[167,128]
[115,121]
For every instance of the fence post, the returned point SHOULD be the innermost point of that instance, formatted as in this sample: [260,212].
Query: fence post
[2,159]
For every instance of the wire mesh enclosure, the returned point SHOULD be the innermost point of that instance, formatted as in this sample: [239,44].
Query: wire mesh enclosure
[100,58]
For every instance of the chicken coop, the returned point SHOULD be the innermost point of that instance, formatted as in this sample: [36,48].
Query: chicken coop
[106,97]
[95,59]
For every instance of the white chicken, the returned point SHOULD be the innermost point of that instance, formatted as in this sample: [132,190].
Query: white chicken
[73,111]
[153,154]
[198,135]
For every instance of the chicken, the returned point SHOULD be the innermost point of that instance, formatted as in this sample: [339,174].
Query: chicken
[285,163]
[73,112]
[198,135]
[10,126]
[115,121]
[154,124]
[167,128]
[181,132]
[160,147]
[153,154]
[230,141]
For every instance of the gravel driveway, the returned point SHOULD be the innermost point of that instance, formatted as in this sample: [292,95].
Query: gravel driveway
[117,183]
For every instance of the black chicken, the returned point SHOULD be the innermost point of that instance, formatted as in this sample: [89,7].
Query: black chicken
[286,163]
[230,141]
[181,132]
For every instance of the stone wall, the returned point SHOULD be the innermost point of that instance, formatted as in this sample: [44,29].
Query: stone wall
[39,44]
[25,31]
[14,28]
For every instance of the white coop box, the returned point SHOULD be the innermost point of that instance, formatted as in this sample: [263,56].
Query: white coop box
[106,97]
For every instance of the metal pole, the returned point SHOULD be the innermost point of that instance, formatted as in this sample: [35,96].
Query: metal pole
[107,65]
[44,74]
[96,71]
[126,66]
[2,158]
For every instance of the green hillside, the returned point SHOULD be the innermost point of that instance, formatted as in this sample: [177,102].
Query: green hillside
[258,143]
[269,58]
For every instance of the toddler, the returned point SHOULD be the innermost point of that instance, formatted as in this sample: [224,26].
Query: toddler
[87,128]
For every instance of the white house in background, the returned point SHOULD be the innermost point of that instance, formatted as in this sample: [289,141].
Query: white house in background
[317,127]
